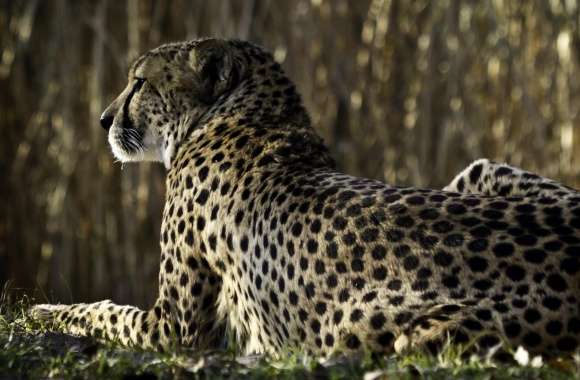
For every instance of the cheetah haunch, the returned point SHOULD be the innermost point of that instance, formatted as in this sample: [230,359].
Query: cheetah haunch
[261,234]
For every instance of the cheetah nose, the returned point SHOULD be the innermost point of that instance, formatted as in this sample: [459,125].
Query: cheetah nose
[106,121]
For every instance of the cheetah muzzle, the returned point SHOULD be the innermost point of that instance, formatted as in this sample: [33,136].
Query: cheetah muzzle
[263,236]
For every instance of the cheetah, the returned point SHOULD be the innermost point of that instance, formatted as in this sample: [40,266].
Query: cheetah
[262,236]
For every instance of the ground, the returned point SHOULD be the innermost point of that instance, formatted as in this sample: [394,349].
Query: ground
[27,350]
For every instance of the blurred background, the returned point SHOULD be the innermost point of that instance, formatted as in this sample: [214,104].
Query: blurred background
[408,92]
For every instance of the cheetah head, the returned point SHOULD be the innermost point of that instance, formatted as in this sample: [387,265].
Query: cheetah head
[170,89]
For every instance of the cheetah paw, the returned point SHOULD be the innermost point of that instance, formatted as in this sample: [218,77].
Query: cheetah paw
[45,312]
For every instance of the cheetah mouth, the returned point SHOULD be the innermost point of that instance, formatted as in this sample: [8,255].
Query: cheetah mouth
[126,143]
[131,144]
[131,140]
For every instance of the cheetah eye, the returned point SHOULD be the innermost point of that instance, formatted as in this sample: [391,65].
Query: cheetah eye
[139,82]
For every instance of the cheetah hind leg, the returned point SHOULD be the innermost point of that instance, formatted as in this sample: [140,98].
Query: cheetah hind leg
[486,177]
[430,327]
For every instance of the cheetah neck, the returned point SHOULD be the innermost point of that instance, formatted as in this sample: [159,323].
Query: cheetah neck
[257,127]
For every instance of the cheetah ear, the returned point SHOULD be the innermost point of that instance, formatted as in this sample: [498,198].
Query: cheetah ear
[213,64]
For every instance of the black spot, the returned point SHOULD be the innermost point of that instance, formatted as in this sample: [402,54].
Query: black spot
[377,321]
[570,265]
[297,229]
[415,200]
[258,282]
[460,185]
[192,263]
[402,250]
[453,240]
[357,265]
[353,210]
[329,340]
[196,289]
[244,244]
[344,295]
[380,273]
[319,267]
[369,296]
[394,235]
[442,227]
[512,329]
[203,173]
[349,238]
[332,281]
[370,235]
[312,246]
[450,282]
[212,239]
[443,258]
[184,279]
[385,339]
[239,217]
[181,227]
[532,316]
[477,264]
[557,282]
[337,317]
[535,256]
[202,197]
[403,317]
[477,245]
[404,221]
[332,250]
[315,226]
[309,290]
[456,209]
[410,263]
[188,182]
[303,263]
[574,325]
[339,223]
[320,308]
[429,214]
[515,272]
[502,250]
[293,298]
[200,223]
[483,314]
[379,252]
[340,267]
[394,285]
[526,240]
[265,160]
[352,342]
[358,283]
[472,325]
[168,265]
[356,315]
[532,339]
[554,328]
[474,173]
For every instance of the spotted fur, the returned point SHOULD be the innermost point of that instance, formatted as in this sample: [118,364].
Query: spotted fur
[261,234]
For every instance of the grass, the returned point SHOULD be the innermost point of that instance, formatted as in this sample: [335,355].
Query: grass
[28,350]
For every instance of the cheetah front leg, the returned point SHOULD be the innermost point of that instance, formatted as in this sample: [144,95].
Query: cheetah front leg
[185,314]
[127,324]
